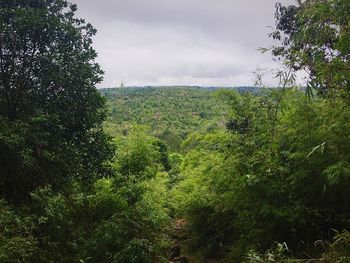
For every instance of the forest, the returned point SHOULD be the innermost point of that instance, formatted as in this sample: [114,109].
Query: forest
[172,174]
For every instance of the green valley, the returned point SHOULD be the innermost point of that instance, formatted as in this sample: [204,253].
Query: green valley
[176,174]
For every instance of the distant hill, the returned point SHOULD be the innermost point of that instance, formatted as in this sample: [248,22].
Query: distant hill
[252,89]
[171,113]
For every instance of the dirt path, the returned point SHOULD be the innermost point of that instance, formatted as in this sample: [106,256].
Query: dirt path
[179,235]
[180,251]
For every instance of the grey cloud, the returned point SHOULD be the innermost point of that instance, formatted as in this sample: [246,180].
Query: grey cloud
[193,42]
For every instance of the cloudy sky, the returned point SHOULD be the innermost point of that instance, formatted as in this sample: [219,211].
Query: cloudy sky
[181,42]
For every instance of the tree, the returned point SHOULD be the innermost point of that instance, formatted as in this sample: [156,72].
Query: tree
[314,36]
[50,111]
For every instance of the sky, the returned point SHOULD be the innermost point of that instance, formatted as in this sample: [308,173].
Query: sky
[181,42]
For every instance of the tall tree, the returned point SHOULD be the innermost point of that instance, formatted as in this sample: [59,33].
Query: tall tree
[314,36]
[50,110]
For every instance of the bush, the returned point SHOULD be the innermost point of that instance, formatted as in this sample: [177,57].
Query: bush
[17,242]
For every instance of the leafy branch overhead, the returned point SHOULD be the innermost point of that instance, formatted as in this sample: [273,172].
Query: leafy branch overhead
[314,36]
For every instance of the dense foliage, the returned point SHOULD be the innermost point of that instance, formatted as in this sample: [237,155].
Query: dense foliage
[50,112]
[65,195]
[255,176]
[172,113]
[120,219]
[272,178]
[314,36]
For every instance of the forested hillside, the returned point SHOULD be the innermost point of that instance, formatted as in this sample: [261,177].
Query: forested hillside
[171,113]
[172,174]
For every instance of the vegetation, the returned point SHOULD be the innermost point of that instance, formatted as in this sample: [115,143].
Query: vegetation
[314,37]
[272,178]
[69,198]
[122,174]
[50,112]
[172,113]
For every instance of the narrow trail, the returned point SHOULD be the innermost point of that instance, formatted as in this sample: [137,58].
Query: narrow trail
[180,251]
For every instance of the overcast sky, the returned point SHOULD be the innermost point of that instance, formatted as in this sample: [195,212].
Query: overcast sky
[181,42]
